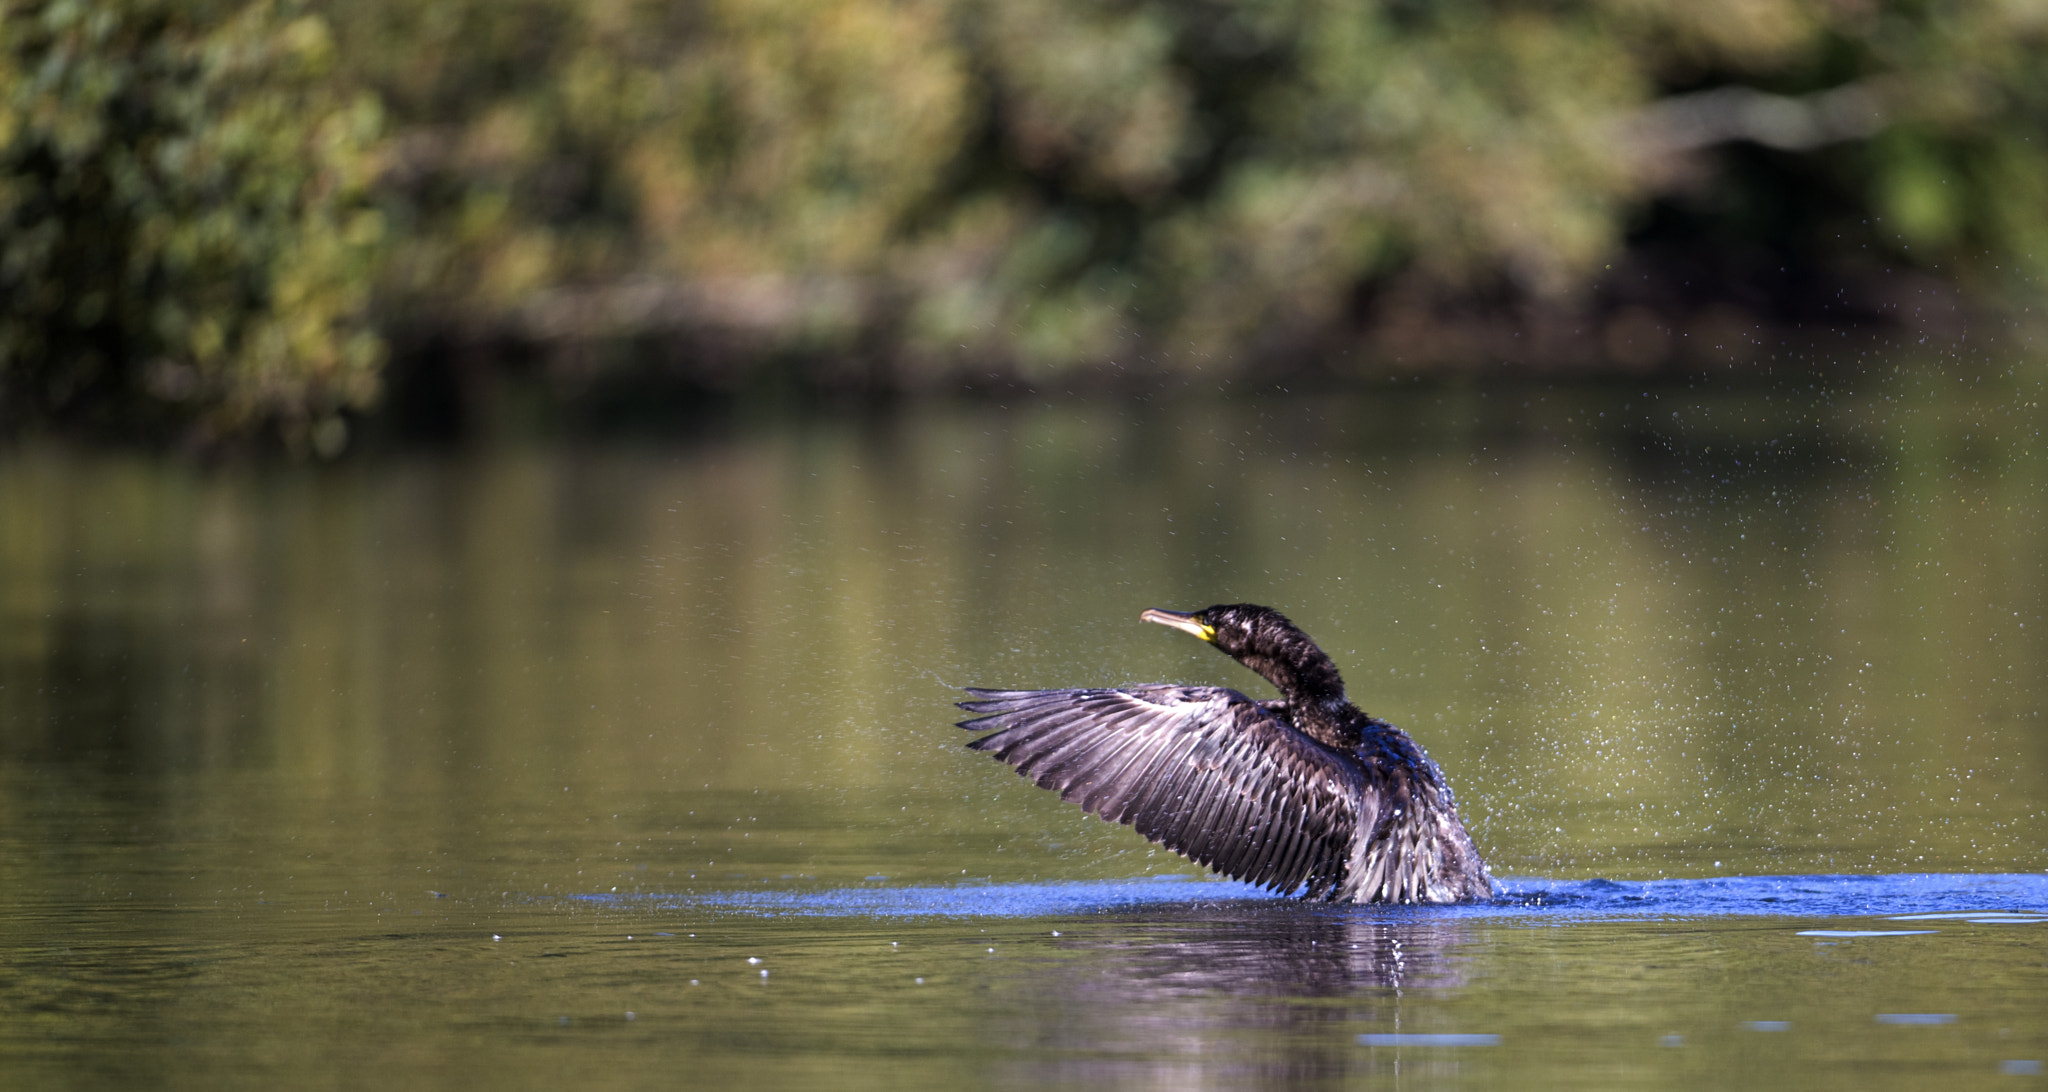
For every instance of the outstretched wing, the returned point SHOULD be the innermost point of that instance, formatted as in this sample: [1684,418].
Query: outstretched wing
[1203,771]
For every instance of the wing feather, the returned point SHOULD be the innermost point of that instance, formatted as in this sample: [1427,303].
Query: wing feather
[1117,776]
[1166,790]
[1208,818]
[1204,771]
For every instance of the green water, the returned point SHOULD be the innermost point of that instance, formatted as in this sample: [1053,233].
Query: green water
[305,772]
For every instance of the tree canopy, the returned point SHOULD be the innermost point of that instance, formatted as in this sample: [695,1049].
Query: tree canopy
[214,215]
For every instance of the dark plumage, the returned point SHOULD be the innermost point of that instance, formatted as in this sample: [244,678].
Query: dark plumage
[1304,793]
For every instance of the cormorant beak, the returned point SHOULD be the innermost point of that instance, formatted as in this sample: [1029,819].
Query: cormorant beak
[1186,623]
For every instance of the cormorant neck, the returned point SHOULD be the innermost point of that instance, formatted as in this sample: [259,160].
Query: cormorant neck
[1306,676]
[1299,670]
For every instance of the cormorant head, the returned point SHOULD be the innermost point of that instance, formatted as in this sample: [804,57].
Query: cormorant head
[1262,639]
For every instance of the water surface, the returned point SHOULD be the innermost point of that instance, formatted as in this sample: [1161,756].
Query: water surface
[503,764]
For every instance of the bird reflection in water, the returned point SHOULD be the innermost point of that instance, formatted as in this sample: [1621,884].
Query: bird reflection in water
[1193,997]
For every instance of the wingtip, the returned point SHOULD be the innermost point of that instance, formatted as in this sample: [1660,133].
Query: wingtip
[977,697]
[992,701]
[974,705]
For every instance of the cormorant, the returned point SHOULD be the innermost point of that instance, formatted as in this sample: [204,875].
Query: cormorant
[1304,793]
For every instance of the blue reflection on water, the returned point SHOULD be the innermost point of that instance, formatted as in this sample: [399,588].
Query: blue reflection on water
[1850,934]
[1428,1040]
[2014,897]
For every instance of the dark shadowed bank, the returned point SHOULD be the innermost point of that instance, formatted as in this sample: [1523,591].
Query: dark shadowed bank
[281,220]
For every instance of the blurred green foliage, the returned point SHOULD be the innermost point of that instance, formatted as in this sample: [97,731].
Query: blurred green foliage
[1023,186]
[186,240]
